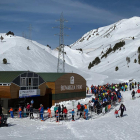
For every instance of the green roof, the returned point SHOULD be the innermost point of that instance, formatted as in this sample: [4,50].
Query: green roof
[50,77]
[9,76]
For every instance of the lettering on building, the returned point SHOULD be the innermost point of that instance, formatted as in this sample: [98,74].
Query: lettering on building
[71,87]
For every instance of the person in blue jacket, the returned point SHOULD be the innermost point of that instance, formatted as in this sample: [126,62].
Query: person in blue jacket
[11,112]
[86,113]
[41,113]
[104,100]
[20,112]
[122,88]
[93,100]
[72,112]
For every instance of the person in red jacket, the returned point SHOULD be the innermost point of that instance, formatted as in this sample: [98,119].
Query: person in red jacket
[116,113]
[65,111]
[39,110]
[78,108]
[28,109]
[0,120]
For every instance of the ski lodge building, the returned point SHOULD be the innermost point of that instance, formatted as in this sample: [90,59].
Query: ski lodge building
[20,87]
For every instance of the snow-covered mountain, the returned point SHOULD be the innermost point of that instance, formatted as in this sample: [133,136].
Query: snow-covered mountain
[99,40]
[37,58]
[93,44]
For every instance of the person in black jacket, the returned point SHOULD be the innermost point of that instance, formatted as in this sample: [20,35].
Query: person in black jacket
[122,108]
[59,111]
[62,117]
[81,110]
[31,112]
[0,109]
[130,86]
[133,94]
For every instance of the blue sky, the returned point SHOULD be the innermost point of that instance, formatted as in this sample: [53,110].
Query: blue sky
[83,16]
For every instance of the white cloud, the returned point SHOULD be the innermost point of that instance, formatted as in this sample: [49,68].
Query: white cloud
[75,10]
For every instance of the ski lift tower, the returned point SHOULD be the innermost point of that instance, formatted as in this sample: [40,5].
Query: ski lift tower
[61,57]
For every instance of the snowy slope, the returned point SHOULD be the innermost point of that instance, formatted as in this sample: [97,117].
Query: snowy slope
[124,29]
[98,40]
[38,58]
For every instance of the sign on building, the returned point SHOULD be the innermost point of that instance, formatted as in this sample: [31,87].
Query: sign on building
[72,80]
[29,93]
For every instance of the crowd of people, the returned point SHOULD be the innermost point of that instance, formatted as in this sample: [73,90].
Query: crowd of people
[105,97]
[27,111]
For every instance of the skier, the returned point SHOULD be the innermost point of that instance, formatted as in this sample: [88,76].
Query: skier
[28,109]
[11,112]
[130,86]
[81,110]
[20,112]
[122,108]
[87,89]
[41,113]
[32,102]
[86,114]
[0,120]
[116,113]
[49,111]
[135,84]
[91,105]
[125,87]
[119,97]
[55,108]
[0,109]
[24,111]
[78,108]
[57,115]
[133,94]
[72,112]
[85,107]
[59,111]
[92,89]
[65,111]
[31,111]
[62,117]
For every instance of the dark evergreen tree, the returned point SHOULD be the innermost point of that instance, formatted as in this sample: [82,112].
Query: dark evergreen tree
[28,48]
[128,59]
[116,69]
[139,58]
[4,61]
[10,33]
[135,60]
[89,67]
[1,38]
[138,49]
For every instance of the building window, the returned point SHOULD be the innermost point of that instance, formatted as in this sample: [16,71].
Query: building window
[23,82]
[28,83]
[5,84]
